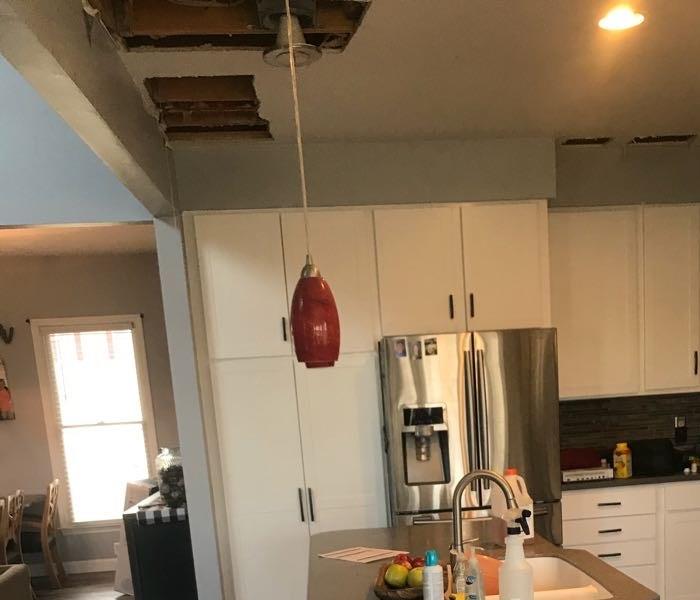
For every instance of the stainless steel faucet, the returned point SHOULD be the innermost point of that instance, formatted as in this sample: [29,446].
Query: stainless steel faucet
[468,479]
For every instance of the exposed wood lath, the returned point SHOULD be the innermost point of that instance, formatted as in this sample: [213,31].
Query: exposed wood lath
[208,107]
[166,24]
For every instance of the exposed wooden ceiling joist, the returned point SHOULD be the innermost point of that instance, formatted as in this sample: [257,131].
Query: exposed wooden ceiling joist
[164,24]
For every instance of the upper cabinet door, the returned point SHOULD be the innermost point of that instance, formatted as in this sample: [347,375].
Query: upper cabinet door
[506,264]
[672,304]
[342,244]
[243,289]
[595,300]
[340,419]
[419,257]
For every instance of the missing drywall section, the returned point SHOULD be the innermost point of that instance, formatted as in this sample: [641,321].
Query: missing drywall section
[224,107]
[207,24]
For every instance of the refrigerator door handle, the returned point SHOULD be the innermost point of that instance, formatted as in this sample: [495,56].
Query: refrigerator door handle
[483,411]
[472,427]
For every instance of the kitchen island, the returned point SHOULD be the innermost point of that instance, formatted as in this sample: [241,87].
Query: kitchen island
[340,580]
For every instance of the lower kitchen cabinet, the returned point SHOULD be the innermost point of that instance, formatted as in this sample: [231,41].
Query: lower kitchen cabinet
[262,470]
[339,412]
[300,453]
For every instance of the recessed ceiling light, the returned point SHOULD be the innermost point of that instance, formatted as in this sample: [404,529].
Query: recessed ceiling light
[621,17]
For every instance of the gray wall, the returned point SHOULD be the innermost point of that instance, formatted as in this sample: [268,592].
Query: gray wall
[48,174]
[617,174]
[264,175]
[73,286]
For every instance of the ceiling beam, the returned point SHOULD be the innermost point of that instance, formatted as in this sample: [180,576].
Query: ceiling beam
[86,83]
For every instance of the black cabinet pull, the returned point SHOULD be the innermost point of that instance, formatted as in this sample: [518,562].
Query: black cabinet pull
[452,306]
[311,506]
[284,328]
[471,305]
[609,503]
[619,530]
[301,505]
[695,358]
[610,555]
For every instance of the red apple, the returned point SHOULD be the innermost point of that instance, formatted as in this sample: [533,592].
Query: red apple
[417,561]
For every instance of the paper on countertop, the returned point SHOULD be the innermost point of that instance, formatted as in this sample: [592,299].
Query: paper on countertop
[362,555]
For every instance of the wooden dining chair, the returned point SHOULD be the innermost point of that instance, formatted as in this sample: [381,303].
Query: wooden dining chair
[4,530]
[41,536]
[15,513]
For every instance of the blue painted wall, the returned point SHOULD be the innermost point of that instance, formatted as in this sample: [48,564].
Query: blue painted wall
[47,173]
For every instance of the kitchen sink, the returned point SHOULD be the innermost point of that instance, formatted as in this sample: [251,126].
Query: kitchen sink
[556,579]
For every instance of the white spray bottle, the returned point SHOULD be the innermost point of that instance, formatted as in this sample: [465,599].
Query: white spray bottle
[515,579]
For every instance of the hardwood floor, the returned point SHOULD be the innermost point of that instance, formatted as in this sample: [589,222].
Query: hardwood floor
[91,586]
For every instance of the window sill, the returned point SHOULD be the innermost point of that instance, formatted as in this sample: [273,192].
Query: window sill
[90,528]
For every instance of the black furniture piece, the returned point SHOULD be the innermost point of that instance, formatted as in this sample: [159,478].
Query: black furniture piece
[160,552]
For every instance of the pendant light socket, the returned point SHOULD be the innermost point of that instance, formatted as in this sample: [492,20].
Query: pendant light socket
[278,55]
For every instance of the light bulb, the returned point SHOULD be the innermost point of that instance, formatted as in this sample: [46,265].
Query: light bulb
[619,18]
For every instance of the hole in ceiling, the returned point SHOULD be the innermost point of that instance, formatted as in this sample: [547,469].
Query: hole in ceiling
[586,141]
[208,107]
[233,24]
[668,140]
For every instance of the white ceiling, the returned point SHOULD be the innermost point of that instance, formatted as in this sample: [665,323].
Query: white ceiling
[77,240]
[481,68]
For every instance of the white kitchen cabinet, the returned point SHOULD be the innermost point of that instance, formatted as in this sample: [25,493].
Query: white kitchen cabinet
[595,300]
[671,297]
[343,248]
[681,544]
[340,425]
[243,286]
[419,259]
[506,264]
[262,470]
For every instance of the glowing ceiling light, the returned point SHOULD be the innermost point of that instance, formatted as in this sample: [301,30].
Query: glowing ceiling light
[621,17]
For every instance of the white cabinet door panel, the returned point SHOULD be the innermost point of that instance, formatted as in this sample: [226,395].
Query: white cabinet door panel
[646,575]
[340,412]
[671,296]
[681,555]
[419,256]
[343,248]
[506,264]
[260,452]
[595,300]
[243,286]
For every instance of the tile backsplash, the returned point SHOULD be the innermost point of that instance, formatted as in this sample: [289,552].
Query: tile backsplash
[601,422]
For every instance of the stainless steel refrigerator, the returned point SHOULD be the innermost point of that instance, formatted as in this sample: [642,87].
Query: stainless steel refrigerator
[474,400]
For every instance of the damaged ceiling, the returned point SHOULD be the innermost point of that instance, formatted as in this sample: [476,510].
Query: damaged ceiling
[476,69]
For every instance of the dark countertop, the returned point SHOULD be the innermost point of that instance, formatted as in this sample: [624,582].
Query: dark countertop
[339,580]
[639,480]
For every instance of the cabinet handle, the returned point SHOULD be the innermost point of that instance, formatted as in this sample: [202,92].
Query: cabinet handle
[618,530]
[284,329]
[301,505]
[311,506]
[610,555]
[452,306]
[471,305]
[695,358]
[609,503]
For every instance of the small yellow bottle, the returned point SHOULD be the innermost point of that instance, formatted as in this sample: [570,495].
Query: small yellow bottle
[622,461]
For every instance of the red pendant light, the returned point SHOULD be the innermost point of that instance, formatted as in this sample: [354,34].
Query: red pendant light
[315,322]
[314,315]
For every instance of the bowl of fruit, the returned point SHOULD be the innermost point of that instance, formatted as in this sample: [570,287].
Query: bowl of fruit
[402,579]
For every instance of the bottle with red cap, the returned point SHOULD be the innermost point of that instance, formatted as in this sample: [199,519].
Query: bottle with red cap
[522,497]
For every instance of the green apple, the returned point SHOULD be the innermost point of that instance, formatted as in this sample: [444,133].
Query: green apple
[415,577]
[396,576]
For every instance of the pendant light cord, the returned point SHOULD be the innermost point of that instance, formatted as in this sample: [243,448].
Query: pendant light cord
[297,121]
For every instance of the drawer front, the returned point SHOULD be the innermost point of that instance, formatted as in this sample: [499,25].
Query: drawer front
[609,529]
[646,575]
[609,502]
[624,554]
[682,496]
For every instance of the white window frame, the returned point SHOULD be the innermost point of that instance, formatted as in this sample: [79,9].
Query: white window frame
[41,329]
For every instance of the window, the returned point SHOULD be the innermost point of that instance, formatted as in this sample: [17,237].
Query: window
[97,407]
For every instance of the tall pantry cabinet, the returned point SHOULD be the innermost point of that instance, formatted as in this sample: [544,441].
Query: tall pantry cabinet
[299,448]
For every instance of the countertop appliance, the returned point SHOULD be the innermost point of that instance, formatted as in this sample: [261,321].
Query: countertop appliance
[471,400]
